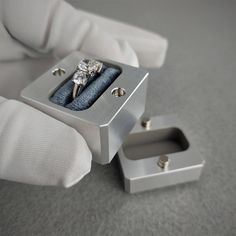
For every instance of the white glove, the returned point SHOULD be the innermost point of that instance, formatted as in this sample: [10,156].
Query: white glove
[35,148]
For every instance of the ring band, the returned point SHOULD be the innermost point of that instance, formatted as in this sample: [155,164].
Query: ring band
[85,71]
[77,89]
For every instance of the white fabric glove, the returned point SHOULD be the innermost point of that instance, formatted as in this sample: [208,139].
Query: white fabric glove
[35,148]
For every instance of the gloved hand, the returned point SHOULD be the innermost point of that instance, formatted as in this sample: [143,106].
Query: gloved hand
[35,148]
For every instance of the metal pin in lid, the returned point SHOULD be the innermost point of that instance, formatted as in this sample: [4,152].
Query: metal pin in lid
[146,122]
[163,162]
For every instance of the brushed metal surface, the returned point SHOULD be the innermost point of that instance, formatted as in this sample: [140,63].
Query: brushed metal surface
[109,120]
[140,155]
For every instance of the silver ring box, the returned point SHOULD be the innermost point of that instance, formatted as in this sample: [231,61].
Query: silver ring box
[158,154]
[109,120]
[162,154]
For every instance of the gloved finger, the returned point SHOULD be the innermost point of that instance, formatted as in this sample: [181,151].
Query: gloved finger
[2,99]
[16,75]
[150,47]
[37,149]
[58,28]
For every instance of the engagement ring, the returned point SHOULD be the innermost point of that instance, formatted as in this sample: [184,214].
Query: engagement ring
[85,71]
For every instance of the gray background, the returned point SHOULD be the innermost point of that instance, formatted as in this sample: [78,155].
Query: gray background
[198,82]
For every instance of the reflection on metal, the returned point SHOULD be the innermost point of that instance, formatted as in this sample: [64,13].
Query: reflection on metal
[107,123]
[160,156]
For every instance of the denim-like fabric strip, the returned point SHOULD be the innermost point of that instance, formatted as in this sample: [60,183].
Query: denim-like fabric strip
[94,90]
[89,95]
[63,95]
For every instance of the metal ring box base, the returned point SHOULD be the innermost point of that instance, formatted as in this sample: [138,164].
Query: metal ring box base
[158,156]
[107,123]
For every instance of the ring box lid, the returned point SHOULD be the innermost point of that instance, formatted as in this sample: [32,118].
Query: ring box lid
[161,155]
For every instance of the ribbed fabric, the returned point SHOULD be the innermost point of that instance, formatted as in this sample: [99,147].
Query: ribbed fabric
[89,95]
[63,95]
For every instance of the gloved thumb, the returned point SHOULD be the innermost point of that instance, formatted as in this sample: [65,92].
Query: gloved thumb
[37,149]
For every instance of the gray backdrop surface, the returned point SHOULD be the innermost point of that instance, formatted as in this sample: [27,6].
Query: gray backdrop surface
[198,82]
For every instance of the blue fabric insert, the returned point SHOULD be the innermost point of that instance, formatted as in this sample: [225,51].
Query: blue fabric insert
[63,95]
[93,90]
